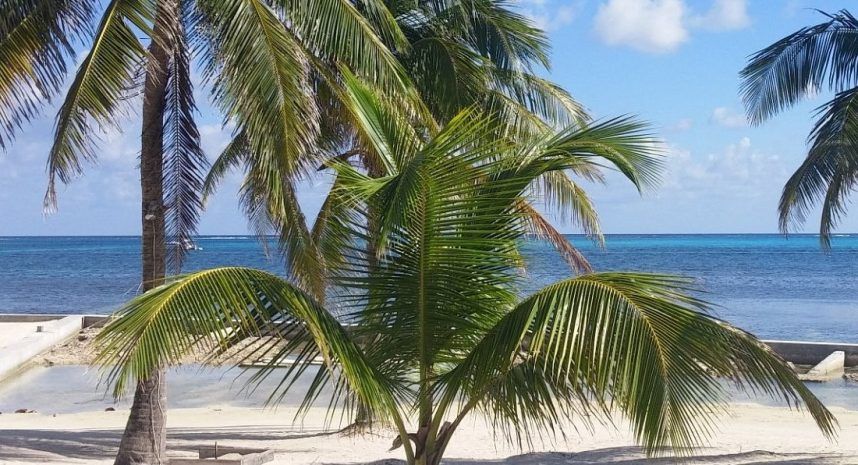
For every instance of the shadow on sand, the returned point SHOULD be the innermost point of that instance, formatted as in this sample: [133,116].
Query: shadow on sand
[38,446]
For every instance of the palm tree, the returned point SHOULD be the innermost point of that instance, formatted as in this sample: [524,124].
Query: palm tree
[823,56]
[458,54]
[258,57]
[438,330]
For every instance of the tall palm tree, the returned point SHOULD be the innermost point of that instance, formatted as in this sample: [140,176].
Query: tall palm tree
[458,54]
[258,57]
[438,329]
[814,58]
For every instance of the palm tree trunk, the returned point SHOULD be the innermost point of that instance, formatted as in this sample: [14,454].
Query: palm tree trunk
[145,438]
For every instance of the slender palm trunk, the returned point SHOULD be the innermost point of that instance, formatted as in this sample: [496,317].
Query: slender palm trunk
[145,438]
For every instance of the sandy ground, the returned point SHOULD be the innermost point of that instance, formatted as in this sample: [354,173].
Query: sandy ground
[752,434]
[79,350]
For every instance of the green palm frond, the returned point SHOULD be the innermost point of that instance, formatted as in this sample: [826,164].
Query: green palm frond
[233,155]
[204,309]
[96,94]
[36,46]
[542,97]
[829,173]
[623,142]
[261,81]
[185,164]
[499,32]
[630,341]
[354,35]
[815,57]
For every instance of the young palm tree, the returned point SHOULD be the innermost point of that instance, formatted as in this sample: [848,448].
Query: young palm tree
[258,57]
[824,56]
[438,329]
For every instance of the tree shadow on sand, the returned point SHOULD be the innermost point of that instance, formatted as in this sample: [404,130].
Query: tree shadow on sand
[39,446]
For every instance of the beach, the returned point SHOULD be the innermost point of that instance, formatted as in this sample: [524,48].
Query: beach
[751,434]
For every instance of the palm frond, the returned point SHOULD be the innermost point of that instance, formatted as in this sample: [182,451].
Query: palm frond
[637,342]
[623,142]
[233,155]
[261,81]
[184,160]
[204,310]
[102,81]
[812,58]
[338,31]
[36,46]
[541,228]
[829,173]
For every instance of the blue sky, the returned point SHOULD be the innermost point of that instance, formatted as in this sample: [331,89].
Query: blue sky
[674,63]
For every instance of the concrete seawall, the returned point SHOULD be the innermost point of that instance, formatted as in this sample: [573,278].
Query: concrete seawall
[811,353]
[21,339]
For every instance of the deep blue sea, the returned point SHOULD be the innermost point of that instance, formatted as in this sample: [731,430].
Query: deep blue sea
[775,287]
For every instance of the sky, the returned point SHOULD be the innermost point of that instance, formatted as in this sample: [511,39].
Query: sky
[674,63]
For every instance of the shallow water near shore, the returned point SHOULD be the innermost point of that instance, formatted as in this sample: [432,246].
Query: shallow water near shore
[775,287]
[75,388]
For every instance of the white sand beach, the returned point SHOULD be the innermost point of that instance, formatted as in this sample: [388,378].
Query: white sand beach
[752,434]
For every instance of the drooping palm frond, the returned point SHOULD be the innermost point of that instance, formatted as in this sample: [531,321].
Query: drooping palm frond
[184,160]
[498,32]
[96,94]
[260,79]
[233,155]
[635,342]
[543,98]
[36,45]
[539,227]
[201,311]
[815,57]
[624,142]
[829,173]
[356,34]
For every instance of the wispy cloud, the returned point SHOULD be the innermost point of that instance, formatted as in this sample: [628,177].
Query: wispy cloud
[728,118]
[550,15]
[724,15]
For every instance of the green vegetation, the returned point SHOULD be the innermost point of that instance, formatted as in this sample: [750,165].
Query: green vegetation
[811,59]
[428,274]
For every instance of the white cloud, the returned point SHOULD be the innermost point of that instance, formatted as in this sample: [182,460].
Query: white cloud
[738,170]
[662,26]
[550,15]
[654,26]
[728,118]
[724,15]
[682,125]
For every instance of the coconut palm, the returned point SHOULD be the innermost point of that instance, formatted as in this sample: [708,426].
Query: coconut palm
[257,56]
[459,53]
[438,330]
[814,58]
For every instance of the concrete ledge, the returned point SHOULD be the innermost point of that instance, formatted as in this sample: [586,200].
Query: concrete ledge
[20,341]
[829,368]
[811,353]
[28,318]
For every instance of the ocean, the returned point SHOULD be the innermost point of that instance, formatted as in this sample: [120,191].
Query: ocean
[775,287]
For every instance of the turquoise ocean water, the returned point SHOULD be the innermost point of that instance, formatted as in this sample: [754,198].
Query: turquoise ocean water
[775,287]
